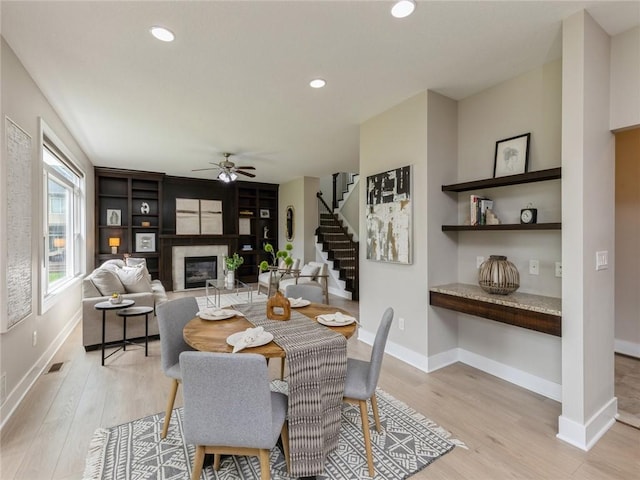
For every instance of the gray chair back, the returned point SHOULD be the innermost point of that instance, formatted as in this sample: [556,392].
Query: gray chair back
[172,317]
[310,292]
[227,400]
[377,352]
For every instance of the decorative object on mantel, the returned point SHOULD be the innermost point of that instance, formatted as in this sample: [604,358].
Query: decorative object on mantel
[116,298]
[144,208]
[232,263]
[498,275]
[278,307]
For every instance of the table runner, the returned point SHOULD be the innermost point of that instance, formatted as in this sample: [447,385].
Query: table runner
[317,360]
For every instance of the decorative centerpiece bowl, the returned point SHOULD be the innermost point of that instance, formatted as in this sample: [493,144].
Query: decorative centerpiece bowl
[498,275]
[116,299]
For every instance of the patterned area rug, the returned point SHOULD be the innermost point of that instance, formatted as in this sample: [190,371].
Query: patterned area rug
[229,299]
[408,443]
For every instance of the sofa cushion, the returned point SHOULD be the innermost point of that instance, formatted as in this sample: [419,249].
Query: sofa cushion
[113,264]
[135,261]
[107,282]
[134,279]
[308,273]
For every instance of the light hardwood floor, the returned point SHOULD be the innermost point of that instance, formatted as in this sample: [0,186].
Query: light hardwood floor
[510,432]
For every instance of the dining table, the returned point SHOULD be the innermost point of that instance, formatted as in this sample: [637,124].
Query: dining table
[316,356]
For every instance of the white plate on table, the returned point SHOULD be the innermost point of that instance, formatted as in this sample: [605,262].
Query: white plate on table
[262,339]
[216,314]
[330,320]
[299,303]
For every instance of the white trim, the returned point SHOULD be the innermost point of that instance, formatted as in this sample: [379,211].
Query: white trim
[627,348]
[443,359]
[16,396]
[398,351]
[586,436]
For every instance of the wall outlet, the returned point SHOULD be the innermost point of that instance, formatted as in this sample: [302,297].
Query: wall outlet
[401,323]
[558,269]
[34,338]
[534,267]
[602,260]
[479,261]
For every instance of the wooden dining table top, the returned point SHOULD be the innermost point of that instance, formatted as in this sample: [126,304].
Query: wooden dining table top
[211,335]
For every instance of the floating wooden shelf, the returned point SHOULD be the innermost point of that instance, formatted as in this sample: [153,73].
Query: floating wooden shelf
[510,226]
[529,177]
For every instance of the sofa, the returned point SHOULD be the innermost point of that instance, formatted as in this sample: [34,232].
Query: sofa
[132,280]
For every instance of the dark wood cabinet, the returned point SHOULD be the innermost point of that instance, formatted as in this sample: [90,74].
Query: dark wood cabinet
[128,205]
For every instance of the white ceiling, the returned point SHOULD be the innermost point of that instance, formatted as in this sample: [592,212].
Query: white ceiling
[236,78]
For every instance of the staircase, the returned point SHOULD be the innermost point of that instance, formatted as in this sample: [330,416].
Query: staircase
[339,247]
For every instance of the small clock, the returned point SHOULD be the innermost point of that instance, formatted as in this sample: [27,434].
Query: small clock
[528,215]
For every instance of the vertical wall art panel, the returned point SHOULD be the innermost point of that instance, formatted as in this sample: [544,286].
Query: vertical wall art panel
[19,278]
[389,216]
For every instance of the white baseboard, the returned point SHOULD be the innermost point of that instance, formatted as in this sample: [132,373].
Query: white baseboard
[585,436]
[444,359]
[401,353]
[22,388]
[627,348]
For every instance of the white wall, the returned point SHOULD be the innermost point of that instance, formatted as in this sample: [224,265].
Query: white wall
[395,138]
[23,102]
[627,299]
[528,103]
[588,404]
[625,79]
[301,193]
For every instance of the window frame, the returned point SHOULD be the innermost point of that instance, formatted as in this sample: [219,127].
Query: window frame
[51,293]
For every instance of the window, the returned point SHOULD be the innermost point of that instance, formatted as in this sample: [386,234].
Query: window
[63,213]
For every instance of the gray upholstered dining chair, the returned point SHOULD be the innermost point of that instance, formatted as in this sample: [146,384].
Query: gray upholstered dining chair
[229,409]
[172,317]
[362,379]
[308,291]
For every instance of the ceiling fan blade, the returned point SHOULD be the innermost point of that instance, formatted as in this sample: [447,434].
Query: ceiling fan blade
[245,168]
[250,175]
[203,169]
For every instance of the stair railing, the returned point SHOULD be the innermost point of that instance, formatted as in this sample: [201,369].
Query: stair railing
[341,182]
[353,247]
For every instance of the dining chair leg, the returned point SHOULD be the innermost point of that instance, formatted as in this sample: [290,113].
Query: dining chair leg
[265,470]
[376,415]
[198,460]
[170,402]
[217,457]
[284,435]
[364,414]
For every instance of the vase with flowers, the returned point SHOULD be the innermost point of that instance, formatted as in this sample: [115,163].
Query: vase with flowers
[232,263]
[278,307]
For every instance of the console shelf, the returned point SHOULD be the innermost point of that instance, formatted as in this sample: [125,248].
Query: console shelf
[510,226]
[529,177]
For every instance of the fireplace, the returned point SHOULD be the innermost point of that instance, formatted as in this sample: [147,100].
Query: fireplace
[199,269]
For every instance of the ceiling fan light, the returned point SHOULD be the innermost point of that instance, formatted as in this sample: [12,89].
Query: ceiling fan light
[224,176]
[162,33]
[403,8]
[233,176]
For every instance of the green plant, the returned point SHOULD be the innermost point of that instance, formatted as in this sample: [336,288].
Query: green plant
[233,262]
[275,256]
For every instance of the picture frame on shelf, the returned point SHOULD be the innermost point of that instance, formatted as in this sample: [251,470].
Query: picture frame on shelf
[264,213]
[512,156]
[114,217]
[145,242]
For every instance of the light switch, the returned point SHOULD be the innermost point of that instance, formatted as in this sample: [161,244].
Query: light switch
[602,260]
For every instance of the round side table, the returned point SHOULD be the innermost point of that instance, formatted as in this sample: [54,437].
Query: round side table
[104,306]
[136,312]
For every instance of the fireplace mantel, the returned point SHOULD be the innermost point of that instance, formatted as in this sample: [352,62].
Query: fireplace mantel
[168,241]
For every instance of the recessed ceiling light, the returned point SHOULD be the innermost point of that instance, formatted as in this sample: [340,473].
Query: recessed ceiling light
[403,8]
[317,83]
[163,34]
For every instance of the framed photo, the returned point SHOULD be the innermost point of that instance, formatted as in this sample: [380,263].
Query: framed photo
[114,217]
[145,242]
[264,213]
[512,156]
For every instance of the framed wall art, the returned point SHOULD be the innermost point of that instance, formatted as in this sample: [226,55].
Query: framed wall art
[264,213]
[114,217]
[389,216]
[512,156]
[145,242]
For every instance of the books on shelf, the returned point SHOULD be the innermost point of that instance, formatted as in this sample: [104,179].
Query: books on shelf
[478,209]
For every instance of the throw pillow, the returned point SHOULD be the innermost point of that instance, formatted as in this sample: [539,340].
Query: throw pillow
[308,273]
[134,262]
[107,282]
[112,265]
[134,279]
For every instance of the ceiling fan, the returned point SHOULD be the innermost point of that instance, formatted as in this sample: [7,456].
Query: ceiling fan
[228,172]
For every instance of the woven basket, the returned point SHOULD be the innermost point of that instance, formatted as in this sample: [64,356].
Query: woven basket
[498,275]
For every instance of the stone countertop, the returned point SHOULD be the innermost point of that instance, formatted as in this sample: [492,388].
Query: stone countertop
[525,301]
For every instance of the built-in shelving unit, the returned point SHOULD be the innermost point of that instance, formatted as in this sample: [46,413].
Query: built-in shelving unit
[128,207]
[522,178]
